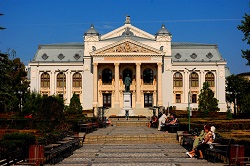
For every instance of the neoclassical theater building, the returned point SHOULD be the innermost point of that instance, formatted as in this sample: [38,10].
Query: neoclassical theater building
[162,72]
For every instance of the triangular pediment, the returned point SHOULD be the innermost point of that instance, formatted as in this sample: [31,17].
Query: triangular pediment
[136,32]
[127,46]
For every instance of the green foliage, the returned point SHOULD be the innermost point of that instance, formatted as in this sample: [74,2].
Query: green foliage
[50,113]
[207,101]
[245,28]
[13,83]
[229,114]
[31,103]
[75,106]
[15,141]
[238,88]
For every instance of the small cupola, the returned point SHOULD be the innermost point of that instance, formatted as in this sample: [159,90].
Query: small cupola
[91,31]
[163,31]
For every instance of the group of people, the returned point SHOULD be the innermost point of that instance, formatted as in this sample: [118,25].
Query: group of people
[166,120]
[202,141]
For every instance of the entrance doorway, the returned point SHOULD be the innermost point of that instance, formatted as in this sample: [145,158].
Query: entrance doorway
[148,99]
[106,100]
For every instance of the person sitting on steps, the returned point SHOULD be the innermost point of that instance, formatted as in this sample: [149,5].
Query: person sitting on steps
[172,120]
[208,139]
[161,120]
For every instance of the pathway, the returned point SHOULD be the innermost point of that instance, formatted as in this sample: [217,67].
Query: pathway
[131,146]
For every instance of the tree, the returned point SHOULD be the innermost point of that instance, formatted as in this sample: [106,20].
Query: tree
[75,106]
[238,92]
[13,82]
[49,114]
[32,103]
[245,28]
[207,102]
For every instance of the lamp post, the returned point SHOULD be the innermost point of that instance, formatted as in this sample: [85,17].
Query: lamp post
[189,93]
[235,101]
[21,96]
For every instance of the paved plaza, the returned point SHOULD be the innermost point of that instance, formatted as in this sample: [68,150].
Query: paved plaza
[132,146]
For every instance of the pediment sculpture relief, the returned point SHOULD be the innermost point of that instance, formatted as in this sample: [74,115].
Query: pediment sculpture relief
[127,47]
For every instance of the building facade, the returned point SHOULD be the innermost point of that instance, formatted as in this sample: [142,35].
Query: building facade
[162,72]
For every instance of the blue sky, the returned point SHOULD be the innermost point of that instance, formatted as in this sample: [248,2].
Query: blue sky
[33,22]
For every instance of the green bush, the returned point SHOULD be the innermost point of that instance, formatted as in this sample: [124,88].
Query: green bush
[15,141]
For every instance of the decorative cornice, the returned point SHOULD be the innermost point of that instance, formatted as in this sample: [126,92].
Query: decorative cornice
[127,46]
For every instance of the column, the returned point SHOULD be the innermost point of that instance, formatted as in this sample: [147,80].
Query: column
[116,103]
[202,78]
[95,88]
[186,85]
[159,83]
[68,86]
[52,82]
[138,85]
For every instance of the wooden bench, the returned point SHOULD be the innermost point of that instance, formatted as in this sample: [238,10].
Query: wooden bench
[58,153]
[173,128]
[218,152]
[240,161]
[87,127]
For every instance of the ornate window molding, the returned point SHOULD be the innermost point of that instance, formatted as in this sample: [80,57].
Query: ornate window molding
[77,80]
[209,77]
[45,80]
[177,79]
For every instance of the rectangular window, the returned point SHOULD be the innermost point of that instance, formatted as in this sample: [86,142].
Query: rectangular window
[106,99]
[148,99]
[194,98]
[178,98]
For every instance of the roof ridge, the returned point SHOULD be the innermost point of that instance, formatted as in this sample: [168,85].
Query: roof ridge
[192,43]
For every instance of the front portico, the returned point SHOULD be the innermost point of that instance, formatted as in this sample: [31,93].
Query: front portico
[113,63]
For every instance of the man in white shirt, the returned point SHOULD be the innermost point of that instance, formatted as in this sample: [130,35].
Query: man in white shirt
[162,120]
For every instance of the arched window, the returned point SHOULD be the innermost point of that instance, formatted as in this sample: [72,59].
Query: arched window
[148,76]
[106,76]
[61,80]
[125,73]
[45,80]
[209,77]
[77,80]
[194,79]
[177,79]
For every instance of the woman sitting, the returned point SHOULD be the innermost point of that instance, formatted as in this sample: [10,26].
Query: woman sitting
[172,120]
[208,139]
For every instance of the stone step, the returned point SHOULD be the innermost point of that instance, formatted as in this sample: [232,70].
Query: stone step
[131,146]
[128,134]
[131,155]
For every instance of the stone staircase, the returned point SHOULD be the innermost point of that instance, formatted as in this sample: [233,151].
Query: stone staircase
[134,112]
[131,146]
[129,134]
[130,121]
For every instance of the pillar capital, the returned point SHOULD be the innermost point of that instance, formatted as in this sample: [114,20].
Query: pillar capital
[138,64]
[116,64]
[159,64]
[95,64]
